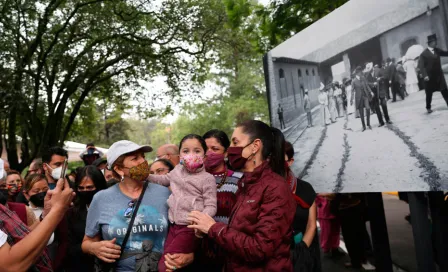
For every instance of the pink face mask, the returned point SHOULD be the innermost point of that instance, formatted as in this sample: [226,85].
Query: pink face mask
[213,161]
[192,162]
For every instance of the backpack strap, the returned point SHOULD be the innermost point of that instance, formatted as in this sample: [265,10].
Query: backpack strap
[134,213]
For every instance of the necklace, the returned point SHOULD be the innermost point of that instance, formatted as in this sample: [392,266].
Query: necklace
[223,180]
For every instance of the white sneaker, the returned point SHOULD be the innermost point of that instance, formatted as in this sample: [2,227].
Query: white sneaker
[368,266]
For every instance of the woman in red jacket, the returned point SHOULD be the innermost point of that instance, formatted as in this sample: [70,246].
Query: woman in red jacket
[258,235]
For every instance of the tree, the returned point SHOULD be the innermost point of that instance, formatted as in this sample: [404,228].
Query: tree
[238,75]
[55,53]
[284,18]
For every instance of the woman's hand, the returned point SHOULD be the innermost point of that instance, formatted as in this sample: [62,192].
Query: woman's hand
[177,261]
[58,199]
[200,221]
[106,251]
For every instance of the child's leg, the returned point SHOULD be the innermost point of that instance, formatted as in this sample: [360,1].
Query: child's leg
[168,241]
[183,240]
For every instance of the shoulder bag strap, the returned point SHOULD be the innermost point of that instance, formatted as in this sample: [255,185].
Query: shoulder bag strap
[134,213]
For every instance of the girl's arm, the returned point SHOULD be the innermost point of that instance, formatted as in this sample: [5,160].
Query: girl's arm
[209,194]
[164,180]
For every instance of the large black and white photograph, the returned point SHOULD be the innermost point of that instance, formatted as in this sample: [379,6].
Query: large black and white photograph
[362,96]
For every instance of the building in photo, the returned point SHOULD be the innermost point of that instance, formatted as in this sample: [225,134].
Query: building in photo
[387,140]
[358,32]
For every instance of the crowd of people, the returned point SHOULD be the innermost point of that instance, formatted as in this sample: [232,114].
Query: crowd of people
[213,203]
[372,85]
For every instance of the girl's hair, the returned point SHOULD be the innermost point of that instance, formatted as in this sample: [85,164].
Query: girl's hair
[94,174]
[33,179]
[166,162]
[273,143]
[220,136]
[13,172]
[289,150]
[194,136]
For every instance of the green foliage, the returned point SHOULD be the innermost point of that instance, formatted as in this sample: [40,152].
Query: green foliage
[284,18]
[57,56]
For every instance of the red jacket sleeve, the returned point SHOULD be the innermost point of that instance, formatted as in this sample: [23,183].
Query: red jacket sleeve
[274,223]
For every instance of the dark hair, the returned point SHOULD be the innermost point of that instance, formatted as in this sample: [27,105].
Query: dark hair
[289,150]
[90,144]
[55,150]
[166,162]
[112,182]
[94,174]
[194,136]
[273,143]
[220,136]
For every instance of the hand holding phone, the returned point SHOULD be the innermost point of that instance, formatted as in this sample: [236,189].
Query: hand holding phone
[64,169]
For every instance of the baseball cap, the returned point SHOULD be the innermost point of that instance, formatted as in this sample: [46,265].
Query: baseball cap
[124,147]
[99,161]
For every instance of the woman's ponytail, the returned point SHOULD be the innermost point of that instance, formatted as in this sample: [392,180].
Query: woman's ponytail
[277,158]
[273,143]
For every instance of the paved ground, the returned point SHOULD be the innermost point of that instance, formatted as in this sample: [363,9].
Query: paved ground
[409,155]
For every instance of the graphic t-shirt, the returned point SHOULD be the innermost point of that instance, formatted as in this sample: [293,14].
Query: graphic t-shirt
[106,216]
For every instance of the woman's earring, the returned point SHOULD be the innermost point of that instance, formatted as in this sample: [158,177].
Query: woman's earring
[122,178]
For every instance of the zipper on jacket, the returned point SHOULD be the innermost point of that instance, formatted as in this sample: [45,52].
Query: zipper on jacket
[243,193]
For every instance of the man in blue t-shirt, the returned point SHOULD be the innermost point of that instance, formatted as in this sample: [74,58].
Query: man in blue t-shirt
[108,218]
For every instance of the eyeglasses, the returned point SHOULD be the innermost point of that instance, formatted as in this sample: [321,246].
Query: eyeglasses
[130,209]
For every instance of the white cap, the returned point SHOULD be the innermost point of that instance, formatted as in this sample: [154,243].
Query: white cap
[123,147]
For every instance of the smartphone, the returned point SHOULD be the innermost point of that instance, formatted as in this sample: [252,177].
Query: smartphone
[64,168]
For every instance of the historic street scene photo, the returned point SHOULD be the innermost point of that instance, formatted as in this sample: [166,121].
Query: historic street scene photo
[362,96]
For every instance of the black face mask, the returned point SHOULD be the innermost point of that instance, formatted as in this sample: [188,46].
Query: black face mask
[38,199]
[86,196]
[3,196]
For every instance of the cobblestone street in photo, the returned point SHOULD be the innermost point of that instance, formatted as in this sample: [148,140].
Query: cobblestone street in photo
[409,155]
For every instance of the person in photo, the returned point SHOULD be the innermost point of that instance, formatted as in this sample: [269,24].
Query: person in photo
[280,117]
[332,103]
[307,107]
[323,101]
[410,66]
[431,69]
[363,95]
[339,100]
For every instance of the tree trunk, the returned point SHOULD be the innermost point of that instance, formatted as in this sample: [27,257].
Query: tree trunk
[11,148]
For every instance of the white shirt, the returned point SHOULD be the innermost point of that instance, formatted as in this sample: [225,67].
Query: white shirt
[3,237]
[431,49]
[37,212]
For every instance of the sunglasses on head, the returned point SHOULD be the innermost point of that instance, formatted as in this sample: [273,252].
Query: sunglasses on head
[130,209]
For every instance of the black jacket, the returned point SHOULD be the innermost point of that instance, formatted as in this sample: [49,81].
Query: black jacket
[76,260]
[430,66]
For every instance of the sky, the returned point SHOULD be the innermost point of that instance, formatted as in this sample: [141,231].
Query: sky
[158,85]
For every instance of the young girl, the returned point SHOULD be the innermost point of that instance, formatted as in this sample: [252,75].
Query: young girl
[193,189]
